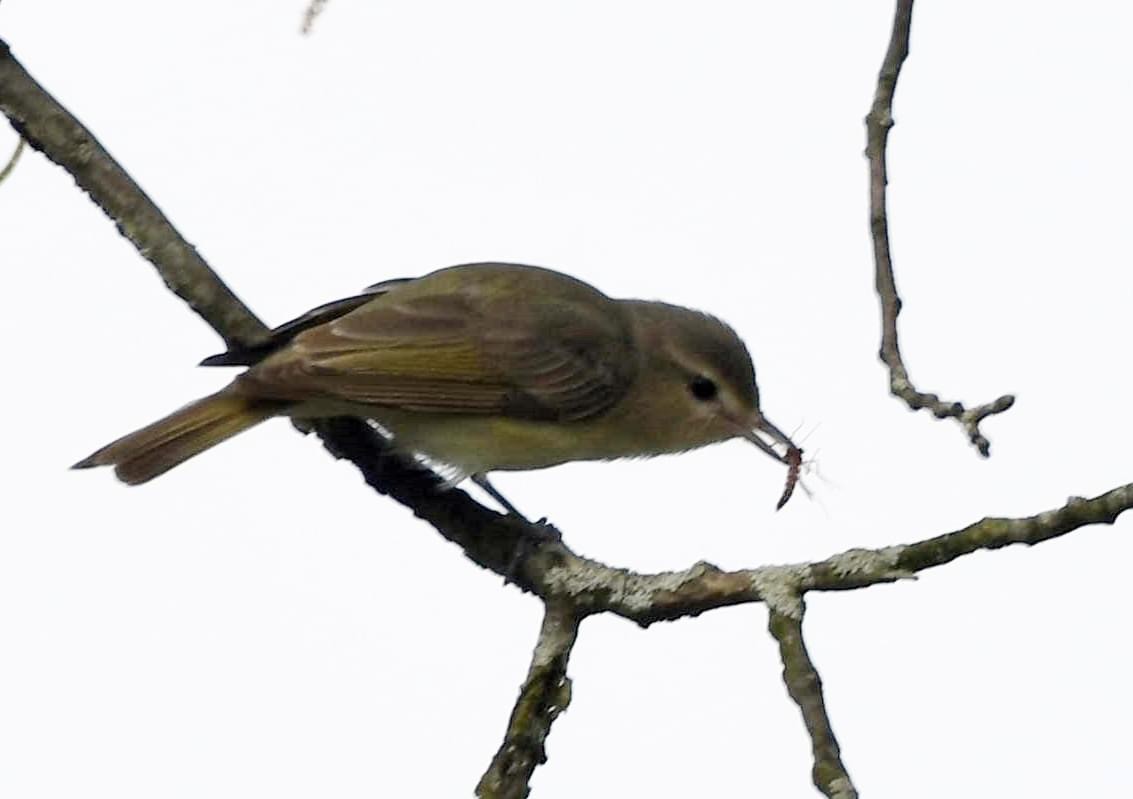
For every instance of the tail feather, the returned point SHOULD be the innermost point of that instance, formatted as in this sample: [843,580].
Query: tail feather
[157,448]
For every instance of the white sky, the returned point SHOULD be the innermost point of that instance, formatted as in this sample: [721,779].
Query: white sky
[258,623]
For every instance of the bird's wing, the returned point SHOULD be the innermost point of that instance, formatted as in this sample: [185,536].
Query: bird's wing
[282,335]
[461,352]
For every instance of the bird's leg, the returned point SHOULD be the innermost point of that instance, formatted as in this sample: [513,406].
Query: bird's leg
[541,531]
[482,481]
[546,530]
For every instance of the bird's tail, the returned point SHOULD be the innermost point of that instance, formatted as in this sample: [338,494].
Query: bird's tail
[157,448]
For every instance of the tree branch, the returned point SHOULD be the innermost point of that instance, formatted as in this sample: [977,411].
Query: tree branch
[648,598]
[878,122]
[50,128]
[544,695]
[805,687]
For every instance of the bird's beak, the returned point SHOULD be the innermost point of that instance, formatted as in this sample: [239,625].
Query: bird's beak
[762,425]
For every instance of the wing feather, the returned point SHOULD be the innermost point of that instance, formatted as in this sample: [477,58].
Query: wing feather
[536,355]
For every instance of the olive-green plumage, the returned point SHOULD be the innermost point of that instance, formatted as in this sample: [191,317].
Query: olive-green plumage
[481,367]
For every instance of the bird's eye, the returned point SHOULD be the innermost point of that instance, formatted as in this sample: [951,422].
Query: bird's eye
[703,389]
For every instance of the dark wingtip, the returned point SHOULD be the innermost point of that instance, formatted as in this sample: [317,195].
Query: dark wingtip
[86,463]
[221,359]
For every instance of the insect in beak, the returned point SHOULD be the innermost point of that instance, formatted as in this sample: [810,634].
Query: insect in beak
[793,456]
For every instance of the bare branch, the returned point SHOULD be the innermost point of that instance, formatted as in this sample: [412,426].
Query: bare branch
[51,129]
[648,598]
[8,167]
[544,695]
[805,687]
[878,122]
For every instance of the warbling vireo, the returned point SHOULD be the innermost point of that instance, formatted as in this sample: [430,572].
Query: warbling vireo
[483,367]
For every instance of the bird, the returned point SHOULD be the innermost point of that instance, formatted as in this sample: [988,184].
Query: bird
[479,368]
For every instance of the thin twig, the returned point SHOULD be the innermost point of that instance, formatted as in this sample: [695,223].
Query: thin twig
[878,122]
[314,8]
[544,695]
[8,167]
[805,687]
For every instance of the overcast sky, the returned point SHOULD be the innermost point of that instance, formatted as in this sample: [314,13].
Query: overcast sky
[258,623]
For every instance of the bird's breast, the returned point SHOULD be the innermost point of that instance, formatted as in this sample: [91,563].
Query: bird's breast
[476,444]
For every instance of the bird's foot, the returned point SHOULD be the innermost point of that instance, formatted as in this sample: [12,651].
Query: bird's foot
[535,534]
